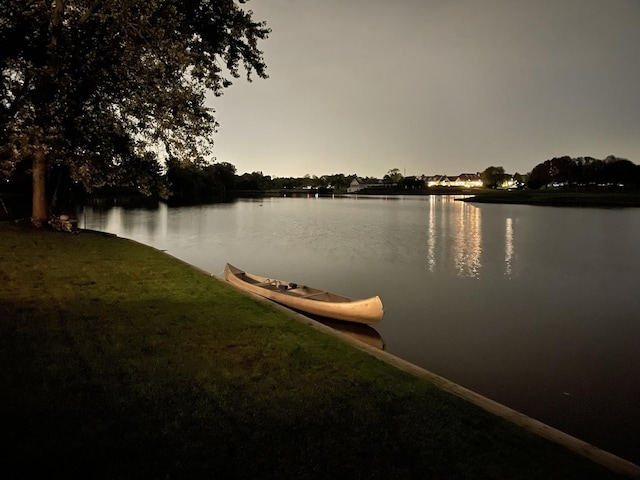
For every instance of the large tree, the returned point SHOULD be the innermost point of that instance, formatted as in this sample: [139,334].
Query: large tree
[493,177]
[103,88]
[393,176]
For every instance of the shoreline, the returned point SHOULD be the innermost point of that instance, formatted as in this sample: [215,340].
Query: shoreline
[561,199]
[607,459]
[605,198]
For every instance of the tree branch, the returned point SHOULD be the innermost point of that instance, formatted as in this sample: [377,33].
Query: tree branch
[56,20]
[92,9]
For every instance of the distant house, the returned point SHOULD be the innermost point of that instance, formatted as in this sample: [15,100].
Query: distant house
[466,180]
[358,184]
[439,181]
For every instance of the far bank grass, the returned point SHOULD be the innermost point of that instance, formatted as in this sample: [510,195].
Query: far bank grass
[117,361]
[559,198]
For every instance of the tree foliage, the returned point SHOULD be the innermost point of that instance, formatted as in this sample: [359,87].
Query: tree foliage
[493,177]
[585,172]
[199,182]
[107,87]
[393,176]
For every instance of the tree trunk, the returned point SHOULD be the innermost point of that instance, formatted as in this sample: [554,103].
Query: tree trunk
[39,200]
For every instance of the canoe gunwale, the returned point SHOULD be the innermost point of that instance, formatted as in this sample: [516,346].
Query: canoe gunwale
[368,311]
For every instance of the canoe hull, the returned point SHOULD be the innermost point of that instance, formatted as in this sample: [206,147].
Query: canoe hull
[368,311]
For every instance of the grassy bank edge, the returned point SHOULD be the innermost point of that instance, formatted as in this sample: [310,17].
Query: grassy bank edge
[558,198]
[602,457]
[598,455]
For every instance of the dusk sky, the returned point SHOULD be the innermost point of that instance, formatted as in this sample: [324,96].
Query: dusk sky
[435,86]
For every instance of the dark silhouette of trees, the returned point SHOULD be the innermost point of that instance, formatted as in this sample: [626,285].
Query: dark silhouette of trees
[492,177]
[412,183]
[224,176]
[192,182]
[539,176]
[585,172]
[106,88]
[620,172]
[393,176]
[562,170]
[254,181]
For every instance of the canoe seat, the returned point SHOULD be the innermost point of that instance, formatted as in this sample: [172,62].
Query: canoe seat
[271,285]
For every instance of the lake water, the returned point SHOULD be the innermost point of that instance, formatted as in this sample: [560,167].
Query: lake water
[535,307]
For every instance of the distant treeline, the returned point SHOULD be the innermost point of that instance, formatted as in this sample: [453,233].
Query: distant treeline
[585,172]
[191,183]
[196,183]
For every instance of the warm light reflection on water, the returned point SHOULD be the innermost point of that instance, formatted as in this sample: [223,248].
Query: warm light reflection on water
[454,234]
[508,247]
[432,237]
[455,239]
[468,240]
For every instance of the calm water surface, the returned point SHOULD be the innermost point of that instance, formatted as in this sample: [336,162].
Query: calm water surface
[535,307]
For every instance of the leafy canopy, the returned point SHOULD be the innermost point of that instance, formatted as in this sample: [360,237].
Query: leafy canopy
[104,88]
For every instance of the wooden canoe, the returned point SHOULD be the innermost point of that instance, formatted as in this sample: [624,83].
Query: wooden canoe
[368,311]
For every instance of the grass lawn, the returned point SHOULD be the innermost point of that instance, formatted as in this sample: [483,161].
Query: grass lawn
[118,361]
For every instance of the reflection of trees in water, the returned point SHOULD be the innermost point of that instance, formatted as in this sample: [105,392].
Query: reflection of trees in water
[147,223]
